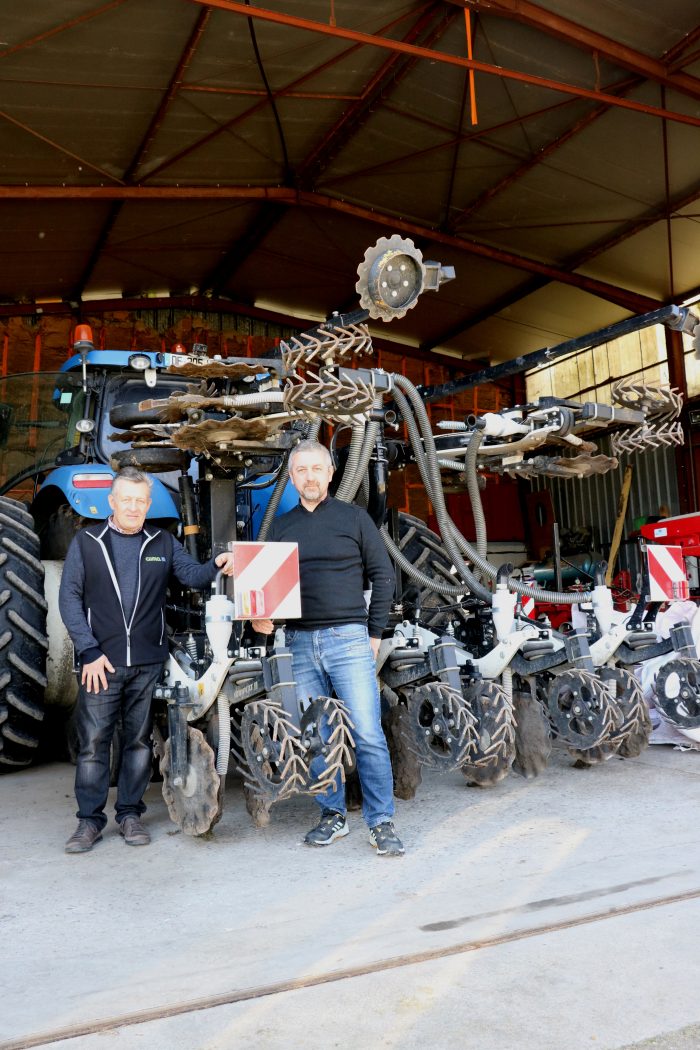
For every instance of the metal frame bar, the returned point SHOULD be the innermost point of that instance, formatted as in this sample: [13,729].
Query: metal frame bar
[264,101]
[375,40]
[624,297]
[70,24]
[156,121]
[334,138]
[586,39]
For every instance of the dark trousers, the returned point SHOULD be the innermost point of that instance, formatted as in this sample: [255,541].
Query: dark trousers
[128,694]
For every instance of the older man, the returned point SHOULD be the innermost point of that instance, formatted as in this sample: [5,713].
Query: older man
[335,643]
[112,601]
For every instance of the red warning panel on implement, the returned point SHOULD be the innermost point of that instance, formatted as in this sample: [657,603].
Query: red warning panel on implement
[266,581]
[667,578]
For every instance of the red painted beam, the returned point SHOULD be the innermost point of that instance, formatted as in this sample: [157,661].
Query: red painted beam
[623,297]
[579,36]
[370,40]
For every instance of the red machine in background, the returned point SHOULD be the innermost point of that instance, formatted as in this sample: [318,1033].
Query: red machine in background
[683,533]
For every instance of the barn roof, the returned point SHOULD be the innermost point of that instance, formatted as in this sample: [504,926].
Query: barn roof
[251,154]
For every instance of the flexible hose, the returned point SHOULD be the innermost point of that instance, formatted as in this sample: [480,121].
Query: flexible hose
[357,440]
[507,683]
[259,398]
[430,473]
[449,590]
[281,484]
[349,486]
[223,750]
[452,464]
[454,540]
[470,461]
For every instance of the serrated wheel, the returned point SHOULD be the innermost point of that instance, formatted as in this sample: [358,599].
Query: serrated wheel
[196,805]
[630,732]
[493,753]
[440,728]
[580,709]
[678,692]
[270,757]
[326,733]
[657,401]
[391,277]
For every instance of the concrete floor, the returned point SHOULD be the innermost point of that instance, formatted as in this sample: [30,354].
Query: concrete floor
[555,914]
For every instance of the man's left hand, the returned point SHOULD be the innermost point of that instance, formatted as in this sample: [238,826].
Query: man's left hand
[225,562]
[374,645]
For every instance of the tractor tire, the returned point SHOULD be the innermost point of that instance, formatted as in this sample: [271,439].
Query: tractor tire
[57,533]
[258,808]
[426,552]
[533,736]
[405,765]
[23,638]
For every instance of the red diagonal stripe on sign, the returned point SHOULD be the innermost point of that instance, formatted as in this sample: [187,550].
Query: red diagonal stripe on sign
[283,581]
[243,555]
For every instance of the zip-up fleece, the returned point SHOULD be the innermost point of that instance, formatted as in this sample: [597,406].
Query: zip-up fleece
[141,639]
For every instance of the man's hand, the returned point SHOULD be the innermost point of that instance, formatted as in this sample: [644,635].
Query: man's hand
[225,562]
[263,626]
[374,646]
[95,674]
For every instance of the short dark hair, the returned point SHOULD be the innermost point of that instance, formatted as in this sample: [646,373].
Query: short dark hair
[132,474]
[310,446]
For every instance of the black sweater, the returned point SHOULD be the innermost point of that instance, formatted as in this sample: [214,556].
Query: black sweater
[339,549]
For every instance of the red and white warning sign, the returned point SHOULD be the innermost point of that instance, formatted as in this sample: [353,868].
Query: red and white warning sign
[667,577]
[266,581]
[528,603]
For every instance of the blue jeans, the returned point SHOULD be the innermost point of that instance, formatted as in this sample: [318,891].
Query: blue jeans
[339,660]
[129,693]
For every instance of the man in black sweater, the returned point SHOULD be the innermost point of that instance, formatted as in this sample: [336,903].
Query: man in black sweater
[334,645]
[112,602]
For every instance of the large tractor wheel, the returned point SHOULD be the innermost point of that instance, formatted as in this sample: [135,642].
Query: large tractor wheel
[57,532]
[23,639]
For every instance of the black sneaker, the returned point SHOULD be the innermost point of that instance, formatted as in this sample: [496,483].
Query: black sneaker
[385,840]
[83,838]
[330,827]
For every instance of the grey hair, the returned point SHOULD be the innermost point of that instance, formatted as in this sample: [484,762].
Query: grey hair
[310,446]
[134,475]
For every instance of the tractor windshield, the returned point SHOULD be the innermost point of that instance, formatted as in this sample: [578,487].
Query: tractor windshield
[38,413]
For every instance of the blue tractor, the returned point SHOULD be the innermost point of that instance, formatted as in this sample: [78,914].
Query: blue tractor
[216,436]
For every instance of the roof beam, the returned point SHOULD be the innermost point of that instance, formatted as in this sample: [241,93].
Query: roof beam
[287,91]
[627,231]
[393,69]
[371,40]
[555,144]
[71,23]
[266,218]
[579,36]
[337,136]
[537,158]
[156,121]
[624,297]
